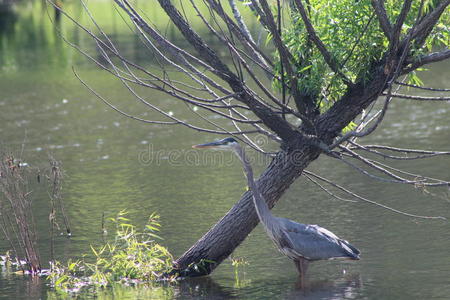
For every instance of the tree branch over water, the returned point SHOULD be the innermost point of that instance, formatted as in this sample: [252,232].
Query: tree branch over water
[341,68]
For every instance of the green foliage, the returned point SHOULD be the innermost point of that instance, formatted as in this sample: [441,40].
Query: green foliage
[351,33]
[412,78]
[440,35]
[239,264]
[341,25]
[132,257]
[351,126]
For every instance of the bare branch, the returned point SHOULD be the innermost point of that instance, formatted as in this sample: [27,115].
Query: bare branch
[370,201]
[363,171]
[236,53]
[207,120]
[285,56]
[261,15]
[304,106]
[362,130]
[425,26]
[427,59]
[175,92]
[243,35]
[380,11]
[110,47]
[419,98]
[397,179]
[413,175]
[117,109]
[406,152]
[395,34]
[177,52]
[240,21]
[233,51]
[324,188]
[175,122]
[273,121]
[208,54]
[422,87]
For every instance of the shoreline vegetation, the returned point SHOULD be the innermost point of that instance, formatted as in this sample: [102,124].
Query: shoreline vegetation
[131,256]
[17,222]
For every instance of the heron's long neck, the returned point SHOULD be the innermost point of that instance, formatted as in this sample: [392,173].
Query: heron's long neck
[260,205]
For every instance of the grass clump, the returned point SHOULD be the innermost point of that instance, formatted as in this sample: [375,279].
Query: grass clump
[17,225]
[239,264]
[132,257]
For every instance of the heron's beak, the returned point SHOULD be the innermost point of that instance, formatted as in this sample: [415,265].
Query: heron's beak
[208,145]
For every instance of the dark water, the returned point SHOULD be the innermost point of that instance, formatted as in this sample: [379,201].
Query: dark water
[113,163]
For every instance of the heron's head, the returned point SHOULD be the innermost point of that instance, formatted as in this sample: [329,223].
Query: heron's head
[224,144]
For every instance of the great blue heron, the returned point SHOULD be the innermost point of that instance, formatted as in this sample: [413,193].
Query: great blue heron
[300,242]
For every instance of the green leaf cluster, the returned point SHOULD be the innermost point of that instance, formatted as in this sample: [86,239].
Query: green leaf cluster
[439,36]
[351,33]
[132,257]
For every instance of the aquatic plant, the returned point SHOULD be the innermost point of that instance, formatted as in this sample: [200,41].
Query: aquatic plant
[16,218]
[132,257]
[239,264]
[17,224]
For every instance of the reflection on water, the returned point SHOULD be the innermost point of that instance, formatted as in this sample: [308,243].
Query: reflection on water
[206,288]
[8,17]
[42,103]
[347,287]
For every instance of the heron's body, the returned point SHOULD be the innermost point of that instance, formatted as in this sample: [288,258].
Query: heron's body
[311,242]
[300,242]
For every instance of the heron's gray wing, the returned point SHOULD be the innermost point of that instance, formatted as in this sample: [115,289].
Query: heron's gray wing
[312,242]
[352,251]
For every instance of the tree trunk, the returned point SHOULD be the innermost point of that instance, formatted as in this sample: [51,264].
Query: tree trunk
[221,240]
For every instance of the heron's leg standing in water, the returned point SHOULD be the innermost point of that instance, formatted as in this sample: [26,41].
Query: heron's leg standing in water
[302,266]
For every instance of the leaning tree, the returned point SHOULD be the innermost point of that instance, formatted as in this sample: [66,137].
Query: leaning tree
[333,68]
